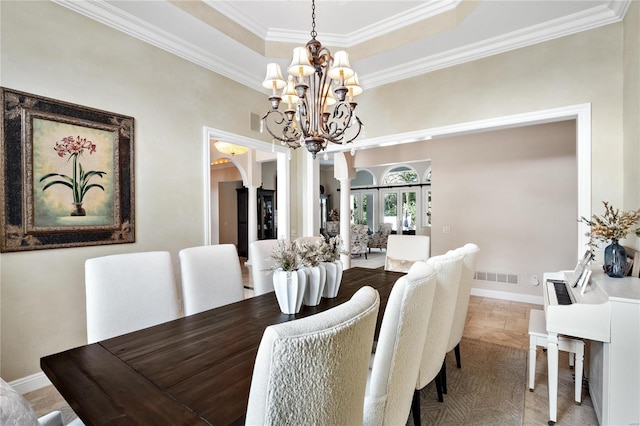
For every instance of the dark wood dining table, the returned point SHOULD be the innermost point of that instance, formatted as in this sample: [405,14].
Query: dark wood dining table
[193,370]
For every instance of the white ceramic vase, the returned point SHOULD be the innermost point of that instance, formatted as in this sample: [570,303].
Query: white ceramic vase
[289,287]
[334,278]
[316,278]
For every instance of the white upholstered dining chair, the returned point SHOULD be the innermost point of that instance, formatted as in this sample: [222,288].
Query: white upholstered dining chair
[448,269]
[469,254]
[211,277]
[129,292]
[261,261]
[16,411]
[404,250]
[313,371]
[396,361]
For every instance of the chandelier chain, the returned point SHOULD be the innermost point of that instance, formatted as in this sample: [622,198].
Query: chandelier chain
[313,20]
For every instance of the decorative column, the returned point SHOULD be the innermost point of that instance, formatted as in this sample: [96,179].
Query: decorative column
[345,219]
[284,199]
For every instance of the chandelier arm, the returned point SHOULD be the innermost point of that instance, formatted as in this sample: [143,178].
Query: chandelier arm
[317,101]
[290,135]
[303,116]
[339,136]
[339,121]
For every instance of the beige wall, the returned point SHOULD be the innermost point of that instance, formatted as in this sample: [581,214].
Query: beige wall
[228,224]
[577,69]
[631,128]
[219,208]
[513,192]
[50,51]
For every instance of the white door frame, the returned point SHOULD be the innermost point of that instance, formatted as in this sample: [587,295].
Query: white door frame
[283,172]
[580,112]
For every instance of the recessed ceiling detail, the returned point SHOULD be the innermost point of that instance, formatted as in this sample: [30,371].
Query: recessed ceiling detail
[387,40]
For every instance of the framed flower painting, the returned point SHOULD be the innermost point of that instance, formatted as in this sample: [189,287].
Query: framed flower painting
[67,174]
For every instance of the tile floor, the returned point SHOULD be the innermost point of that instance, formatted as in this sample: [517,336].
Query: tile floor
[491,320]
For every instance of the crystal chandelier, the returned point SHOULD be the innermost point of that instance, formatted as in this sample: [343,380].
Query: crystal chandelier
[317,80]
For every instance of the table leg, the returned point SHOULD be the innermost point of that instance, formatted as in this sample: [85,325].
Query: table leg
[552,359]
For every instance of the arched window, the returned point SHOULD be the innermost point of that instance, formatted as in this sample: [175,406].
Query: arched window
[363,178]
[400,176]
[400,205]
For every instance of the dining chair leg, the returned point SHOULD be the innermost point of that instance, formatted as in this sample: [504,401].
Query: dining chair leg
[443,376]
[439,388]
[456,350]
[415,407]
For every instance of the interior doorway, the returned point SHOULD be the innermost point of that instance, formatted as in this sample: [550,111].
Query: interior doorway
[220,209]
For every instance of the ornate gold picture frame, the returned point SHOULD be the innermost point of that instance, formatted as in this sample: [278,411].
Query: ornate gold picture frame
[67,174]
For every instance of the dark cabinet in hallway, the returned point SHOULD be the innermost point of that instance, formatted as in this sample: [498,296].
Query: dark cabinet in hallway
[266,218]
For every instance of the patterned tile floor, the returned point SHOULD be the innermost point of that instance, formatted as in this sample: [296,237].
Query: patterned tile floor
[490,320]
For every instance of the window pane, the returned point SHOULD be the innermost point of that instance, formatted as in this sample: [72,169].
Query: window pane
[391,209]
[354,209]
[363,218]
[367,210]
[400,176]
[428,208]
[408,211]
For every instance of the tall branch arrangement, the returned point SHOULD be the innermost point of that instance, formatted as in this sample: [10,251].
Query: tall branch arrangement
[612,225]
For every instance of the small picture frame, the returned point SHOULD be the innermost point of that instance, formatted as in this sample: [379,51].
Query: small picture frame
[584,280]
[67,174]
[581,267]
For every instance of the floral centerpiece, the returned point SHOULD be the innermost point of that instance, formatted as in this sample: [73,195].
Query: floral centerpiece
[612,226]
[289,281]
[330,255]
[286,257]
[331,251]
[311,257]
[303,271]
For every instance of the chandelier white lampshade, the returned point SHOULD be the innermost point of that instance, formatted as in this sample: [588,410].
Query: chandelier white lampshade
[230,149]
[289,94]
[353,85]
[341,69]
[317,81]
[300,65]
[273,79]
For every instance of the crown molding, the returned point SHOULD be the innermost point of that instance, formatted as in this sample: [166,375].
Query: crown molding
[392,23]
[571,24]
[103,12]
[386,26]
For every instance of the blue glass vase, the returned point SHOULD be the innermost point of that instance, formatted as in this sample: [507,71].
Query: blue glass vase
[615,260]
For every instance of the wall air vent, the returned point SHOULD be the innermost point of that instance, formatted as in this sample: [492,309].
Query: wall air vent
[497,277]
[254,122]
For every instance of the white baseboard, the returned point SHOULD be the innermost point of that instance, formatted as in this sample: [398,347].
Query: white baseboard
[30,383]
[503,295]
